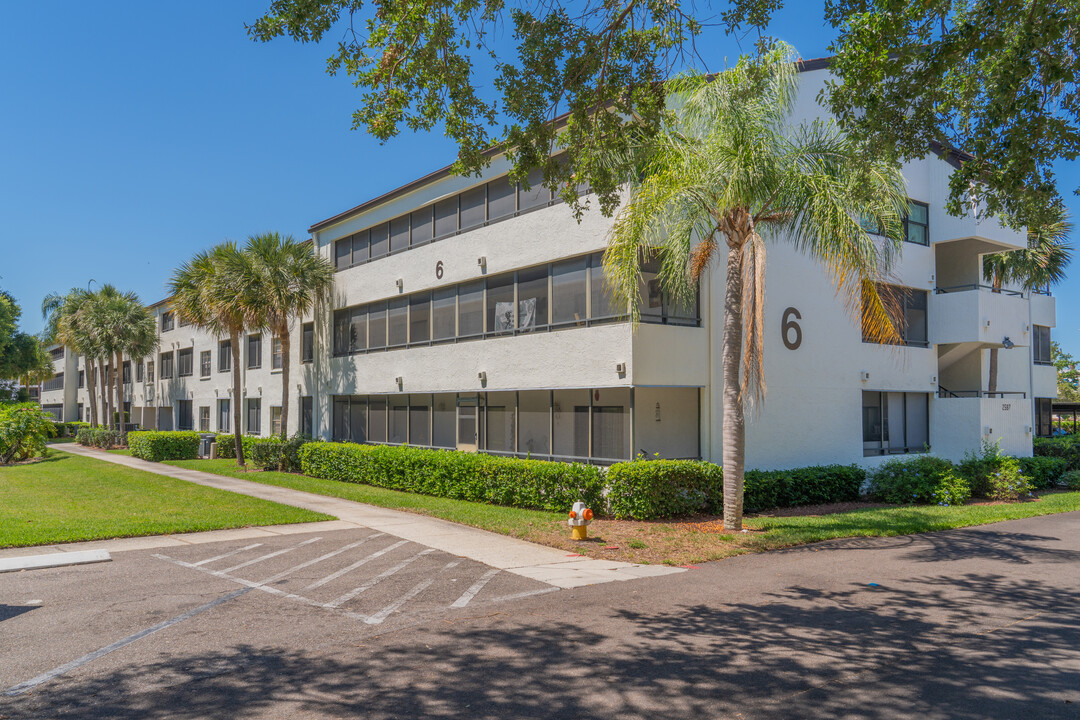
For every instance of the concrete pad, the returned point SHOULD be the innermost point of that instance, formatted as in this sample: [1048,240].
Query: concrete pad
[643,571]
[51,560]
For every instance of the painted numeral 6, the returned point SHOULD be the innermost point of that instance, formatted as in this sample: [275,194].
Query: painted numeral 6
[438,270]
[787,325]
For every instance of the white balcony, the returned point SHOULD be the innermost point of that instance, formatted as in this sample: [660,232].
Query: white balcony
[1043,310]
[977,314]
[962,424]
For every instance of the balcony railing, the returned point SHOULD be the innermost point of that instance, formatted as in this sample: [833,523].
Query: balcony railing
[976,286]
[946,393]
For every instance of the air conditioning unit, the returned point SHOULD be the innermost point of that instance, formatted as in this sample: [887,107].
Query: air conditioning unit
[620,368]
[482,376]
[482,262]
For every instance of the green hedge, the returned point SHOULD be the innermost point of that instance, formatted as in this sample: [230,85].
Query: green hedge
[923,480]
[1071,480]
[813,485]
[645,489]
[157,445]
[1044,472]
[463,476]
[1064,446]
[99,437]
[273,453]
[226,444]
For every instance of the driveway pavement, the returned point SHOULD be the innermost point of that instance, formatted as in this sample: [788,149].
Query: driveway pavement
[977,623]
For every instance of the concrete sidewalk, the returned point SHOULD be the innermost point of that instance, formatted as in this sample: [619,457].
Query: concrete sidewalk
[527,559]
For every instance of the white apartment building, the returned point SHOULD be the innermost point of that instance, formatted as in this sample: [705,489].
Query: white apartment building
[468,313]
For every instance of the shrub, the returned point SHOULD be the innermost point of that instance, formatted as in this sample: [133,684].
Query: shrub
[814,485]
[226,445]
[24,428]
[924,480]
[99,437]
[1065,446]
[1043,472]
[1071,480]
[645,489]
[993,475]
[463,476]
[273,453]
[157,445]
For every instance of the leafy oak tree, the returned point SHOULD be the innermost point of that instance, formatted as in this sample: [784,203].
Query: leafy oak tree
[990,82]
[21,355]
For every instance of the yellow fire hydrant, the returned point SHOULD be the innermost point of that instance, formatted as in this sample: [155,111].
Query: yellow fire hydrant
[580,517]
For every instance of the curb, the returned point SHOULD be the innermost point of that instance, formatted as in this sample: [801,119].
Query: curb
[60,559]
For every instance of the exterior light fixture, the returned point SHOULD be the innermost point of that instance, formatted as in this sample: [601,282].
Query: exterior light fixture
[482,375]
[400,284]
[1007,343]
[482,262]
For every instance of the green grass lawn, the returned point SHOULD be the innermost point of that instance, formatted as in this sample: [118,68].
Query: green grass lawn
[65,498]
[672,542]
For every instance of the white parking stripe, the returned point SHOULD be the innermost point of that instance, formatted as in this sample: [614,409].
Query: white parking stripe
[519,595]
[228,554]
[270,555]
[376,580]
[327,556]
[246,583]
[385,612]
[476,587]
[358,563]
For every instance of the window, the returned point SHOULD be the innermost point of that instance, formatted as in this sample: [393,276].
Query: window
[443,313]
[166,360]
[376,419]
[399,420]
[472,207]
[1044,417]
[397,322]
[343,253]
[307,414]
[57,353]
[184,419]
[356,330]
[125,372]
[421,227]
[399,234]
[446,217]
[895,422]
[380,241]
[568,297]
[204,364]
[150,371]
[254,411]
[470,307]
[254,351]
[168,320]
[182,321]
[532,294]
[1041,344]
[224,357]
[420,318]
[502,199]
[376,325]
[184,362]
[307,342]
[275,353]
[536,196]
[56,382]
[204,418]
[223,416]
[917,223]
[140,373]
[82,376]
[907,309]
[603,305]
[275,420]
[420,420]
[501,317]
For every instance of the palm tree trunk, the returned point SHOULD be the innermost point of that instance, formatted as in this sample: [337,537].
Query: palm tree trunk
[734,427]
[234,348]
[106,396]
[991,386]
[120,391]
[286,342]
[91,382]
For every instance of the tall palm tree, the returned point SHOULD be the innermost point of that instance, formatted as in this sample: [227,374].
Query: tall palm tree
[286,281]
[130,330]
[1041,264]
[67,322]
[204,291]
[729,171]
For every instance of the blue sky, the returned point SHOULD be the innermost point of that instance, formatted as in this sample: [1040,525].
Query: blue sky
[134,134]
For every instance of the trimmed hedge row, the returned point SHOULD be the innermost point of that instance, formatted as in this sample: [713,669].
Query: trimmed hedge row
[814,485]
[463,476]
[646,489]
[158,445]
[226,444]
[273,453]
[99,437]
[1066,447]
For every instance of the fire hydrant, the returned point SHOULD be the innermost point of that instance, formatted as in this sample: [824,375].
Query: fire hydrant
[580,517]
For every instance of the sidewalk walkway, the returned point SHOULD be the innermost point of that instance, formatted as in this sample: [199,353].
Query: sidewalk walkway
[527,559]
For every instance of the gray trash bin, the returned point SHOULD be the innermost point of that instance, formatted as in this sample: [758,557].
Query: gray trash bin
[204,443]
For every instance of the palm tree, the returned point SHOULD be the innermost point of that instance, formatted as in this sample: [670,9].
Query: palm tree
[130,330]
[1041,264]
[204,291]
[286,281]
[729,168]
[67,322]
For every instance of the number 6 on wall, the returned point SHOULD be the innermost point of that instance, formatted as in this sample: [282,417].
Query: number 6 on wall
[787,325]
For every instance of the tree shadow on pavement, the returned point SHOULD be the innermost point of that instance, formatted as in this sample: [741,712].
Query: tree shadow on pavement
[971,647]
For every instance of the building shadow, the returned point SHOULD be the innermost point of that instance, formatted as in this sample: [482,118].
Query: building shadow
[10,611]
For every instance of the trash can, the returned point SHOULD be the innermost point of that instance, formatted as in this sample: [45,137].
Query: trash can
[205,439]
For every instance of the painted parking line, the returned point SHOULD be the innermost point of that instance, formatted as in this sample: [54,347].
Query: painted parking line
[309,563]
[90,657]
[271,555]
[358,563]
[378,617]
[527,593]
[337,602]
[207,561]
[475,588]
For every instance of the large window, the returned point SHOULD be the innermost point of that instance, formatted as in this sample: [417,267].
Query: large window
[168,321]
[496,200]
[166,362]
[307,416]
[205,362]
[917,223]
[1044,417]
[204,418]
[184,418]
[254,351]
[82,377]
[223,407]
[224,361]
[275,353]
[558,295]
[307,342]
[56,382]
[895,422]
[907,310]
[275,420]
[185,363]
[1041,345]
[125,372]
[254,415]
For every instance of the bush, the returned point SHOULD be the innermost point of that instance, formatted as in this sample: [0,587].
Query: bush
[645,489]
[226,445]
[993,475]
[99,437]
[24,428]
[1065,446]
[1044,472]
[814,485]
[463,476]
[273,453]
[923,480]
[157,445]
[1071,480]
